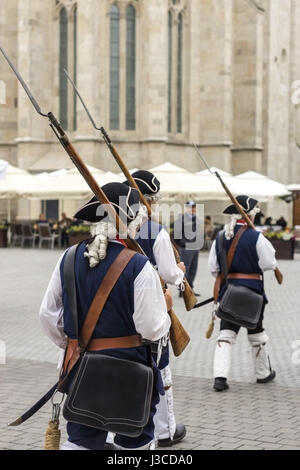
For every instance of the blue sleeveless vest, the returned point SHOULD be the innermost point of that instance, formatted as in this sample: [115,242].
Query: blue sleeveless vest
[245,260]
[146,238]
[115,320]
[116,317]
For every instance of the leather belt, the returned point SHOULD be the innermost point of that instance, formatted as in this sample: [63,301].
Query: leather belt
[98,344]
[244,276]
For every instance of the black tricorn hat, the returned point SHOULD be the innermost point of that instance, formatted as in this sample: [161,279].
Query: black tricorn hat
[247,203]
[146,181]
[124,199]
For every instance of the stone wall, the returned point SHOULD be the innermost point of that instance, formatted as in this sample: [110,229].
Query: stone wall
[240,60]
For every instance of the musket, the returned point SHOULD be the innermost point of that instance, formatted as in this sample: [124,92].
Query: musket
[233,199]
[189,297]
[92,183]
[178,333]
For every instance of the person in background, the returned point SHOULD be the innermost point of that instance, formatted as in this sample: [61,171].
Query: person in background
[208,228]
[41,220]
[63,224]
[268,221]
[257,218]
[253,256]
[282,222]
[186,231]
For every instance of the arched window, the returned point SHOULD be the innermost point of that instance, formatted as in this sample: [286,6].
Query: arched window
[75,67]
[169,71]
[130,68]
[179,75]
[176,58]
[114,67]
[63,64]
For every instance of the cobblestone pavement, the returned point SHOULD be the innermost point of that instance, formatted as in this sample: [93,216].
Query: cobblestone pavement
[248,416]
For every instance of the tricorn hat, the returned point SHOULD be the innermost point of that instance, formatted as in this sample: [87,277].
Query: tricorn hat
[247,203]
[146,181]
[190,203]
[124,199]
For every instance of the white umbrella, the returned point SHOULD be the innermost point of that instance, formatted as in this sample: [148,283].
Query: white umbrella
[177,180]
[15,182]
[174,179]
[294,187]
[3,168]
[258,186]
[213,169]
[69,185]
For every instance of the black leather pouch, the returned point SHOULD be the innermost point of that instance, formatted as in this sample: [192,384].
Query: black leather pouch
[110,394]
[241,306]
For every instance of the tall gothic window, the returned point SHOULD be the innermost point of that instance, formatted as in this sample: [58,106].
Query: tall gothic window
[67,33]
[122,66]
[114,66]
[169,71]
[179,75]
[75,67]
[130,68]
[175,66]
[63,64]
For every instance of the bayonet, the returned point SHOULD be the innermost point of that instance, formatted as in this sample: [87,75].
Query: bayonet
[28,92]
[233,199]
[188,294]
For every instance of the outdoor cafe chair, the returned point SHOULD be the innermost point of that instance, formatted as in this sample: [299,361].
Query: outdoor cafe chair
[28,234]
[16,234]
[46,235]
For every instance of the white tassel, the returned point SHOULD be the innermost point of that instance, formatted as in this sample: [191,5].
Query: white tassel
[96,250]
[229,228]
[104,231]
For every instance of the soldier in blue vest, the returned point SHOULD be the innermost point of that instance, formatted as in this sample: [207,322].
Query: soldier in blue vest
[136,304]
[155,242]
[254,254]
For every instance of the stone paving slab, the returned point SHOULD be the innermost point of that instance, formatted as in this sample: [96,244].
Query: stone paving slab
[213,420]
[245,417]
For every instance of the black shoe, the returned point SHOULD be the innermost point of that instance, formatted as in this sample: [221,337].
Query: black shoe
[220,384]
[178,436]
[267,379]
[197,295]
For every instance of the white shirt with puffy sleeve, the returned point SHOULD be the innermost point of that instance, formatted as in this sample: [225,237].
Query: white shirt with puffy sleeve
[150,312]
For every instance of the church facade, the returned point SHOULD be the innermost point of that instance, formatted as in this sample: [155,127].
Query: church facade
[159,75]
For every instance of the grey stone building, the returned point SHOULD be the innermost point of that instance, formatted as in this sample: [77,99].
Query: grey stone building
[158,75]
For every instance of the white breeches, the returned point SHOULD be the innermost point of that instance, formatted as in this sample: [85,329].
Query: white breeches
[222,359]
[149,446]
[110,438]
[262,364]
[164,418]
[71,446]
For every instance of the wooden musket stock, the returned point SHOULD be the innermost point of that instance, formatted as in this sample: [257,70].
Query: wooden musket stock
[189,297]
[178,336]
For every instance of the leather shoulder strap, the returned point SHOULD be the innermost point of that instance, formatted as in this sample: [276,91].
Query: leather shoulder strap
[226,261]
[70,284]
[234,245]
[102,294]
